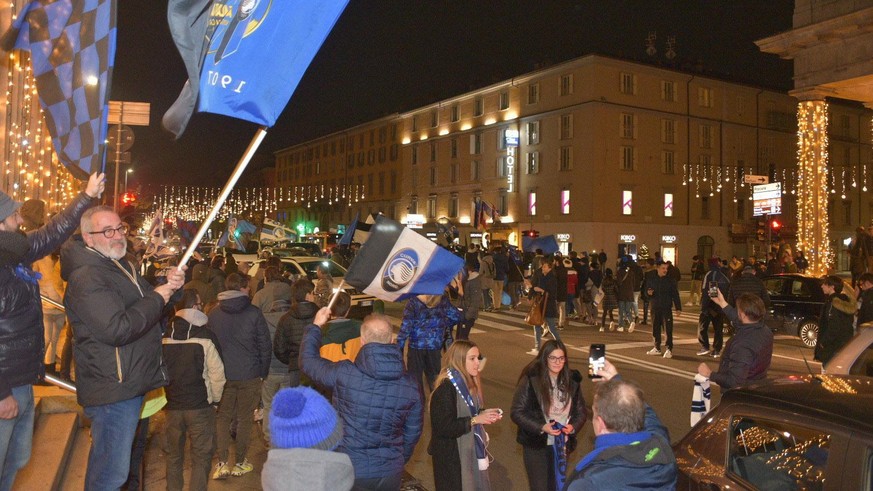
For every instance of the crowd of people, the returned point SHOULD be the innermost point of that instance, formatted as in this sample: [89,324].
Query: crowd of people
[344,400]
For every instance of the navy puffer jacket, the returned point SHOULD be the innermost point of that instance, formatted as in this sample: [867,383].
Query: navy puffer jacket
[379,402]
[21,331]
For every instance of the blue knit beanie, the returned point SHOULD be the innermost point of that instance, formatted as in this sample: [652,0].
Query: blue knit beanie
[302,418]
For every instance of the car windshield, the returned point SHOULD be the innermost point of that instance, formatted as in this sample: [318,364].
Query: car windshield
[334,269]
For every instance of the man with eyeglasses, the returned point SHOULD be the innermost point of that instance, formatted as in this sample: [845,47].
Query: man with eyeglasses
[21,324]
[115,315]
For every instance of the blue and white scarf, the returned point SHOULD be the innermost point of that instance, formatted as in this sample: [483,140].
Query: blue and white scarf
[460,385]
[560,460]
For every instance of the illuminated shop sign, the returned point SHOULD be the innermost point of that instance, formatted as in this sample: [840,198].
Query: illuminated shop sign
[669,239]
[563,237]
[627,238]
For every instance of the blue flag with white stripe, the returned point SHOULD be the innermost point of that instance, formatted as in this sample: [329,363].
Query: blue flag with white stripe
[397,263]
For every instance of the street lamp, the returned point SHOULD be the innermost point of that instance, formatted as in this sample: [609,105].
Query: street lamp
[129,172]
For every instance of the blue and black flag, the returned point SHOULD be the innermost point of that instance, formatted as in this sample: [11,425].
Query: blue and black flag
[72,52]
[397,263]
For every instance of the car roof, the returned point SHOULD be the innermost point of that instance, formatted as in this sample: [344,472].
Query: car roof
[793,275]
[843,399]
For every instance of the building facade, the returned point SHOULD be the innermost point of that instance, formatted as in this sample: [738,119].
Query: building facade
[602,153]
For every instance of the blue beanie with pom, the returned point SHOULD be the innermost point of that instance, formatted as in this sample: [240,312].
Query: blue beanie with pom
[300,417]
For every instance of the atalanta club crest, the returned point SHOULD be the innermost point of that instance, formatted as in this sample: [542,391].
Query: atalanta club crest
[400,271]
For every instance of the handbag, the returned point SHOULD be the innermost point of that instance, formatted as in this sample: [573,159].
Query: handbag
[599,297]
[536,316]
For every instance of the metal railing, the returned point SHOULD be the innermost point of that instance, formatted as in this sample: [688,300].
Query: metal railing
[57,382]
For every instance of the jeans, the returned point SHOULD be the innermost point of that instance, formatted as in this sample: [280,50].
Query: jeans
[54,324]
[113,427]
[238,402]
[387,483]
[199,426]
[664,319]
[636,306]
[625,313]
[562,313]
[271,385]
[16,437]
[424,362]
[137,454]
[551,322]
[717,330]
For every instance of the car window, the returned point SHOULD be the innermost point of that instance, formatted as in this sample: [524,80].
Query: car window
[778,455]
[774,286]
[800,289]
[335,269]
[864,364]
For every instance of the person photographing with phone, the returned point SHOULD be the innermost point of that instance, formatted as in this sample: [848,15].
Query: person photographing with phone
[549,409]
[748,353]
[710,313]
[631,445]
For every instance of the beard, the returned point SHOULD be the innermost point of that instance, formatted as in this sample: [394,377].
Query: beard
[113,250]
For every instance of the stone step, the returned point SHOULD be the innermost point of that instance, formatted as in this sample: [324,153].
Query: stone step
[52,441]
[77,463]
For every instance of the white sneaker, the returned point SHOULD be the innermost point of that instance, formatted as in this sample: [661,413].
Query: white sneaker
[668,353]
[716,354]
[631,327]
[654,351]
[222,471]
[703,352]
[620,329]
[601,329]
[534,352]
[612,326]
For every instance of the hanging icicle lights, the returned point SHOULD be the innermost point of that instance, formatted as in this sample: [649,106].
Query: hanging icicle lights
[812,205]
[194,203]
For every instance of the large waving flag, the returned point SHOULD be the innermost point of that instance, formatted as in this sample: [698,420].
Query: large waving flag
[257,51]
[346,239]
[396,263]
[547,244]
[72,51]
[274,231]
[187,20]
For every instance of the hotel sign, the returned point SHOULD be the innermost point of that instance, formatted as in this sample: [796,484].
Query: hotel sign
[511,139]
[414,221]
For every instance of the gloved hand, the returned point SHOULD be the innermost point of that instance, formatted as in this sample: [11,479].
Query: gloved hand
[13,247]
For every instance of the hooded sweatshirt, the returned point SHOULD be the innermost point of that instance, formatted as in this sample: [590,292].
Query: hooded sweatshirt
[307,469]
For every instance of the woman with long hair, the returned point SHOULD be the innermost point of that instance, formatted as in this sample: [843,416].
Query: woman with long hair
[458,438]
[549,409]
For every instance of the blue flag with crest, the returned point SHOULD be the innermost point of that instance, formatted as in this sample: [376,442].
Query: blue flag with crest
[257,52]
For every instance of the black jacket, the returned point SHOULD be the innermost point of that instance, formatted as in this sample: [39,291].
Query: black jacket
[193,361]
[665,293]
[243,336]
[289,333]
[865,313]
[747,282]
[549,284]
[527,412]
[22,339]
[115,316]
[746,356]
[835,326]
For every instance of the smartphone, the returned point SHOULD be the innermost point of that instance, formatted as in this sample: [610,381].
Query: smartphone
[596,360]
[713,289]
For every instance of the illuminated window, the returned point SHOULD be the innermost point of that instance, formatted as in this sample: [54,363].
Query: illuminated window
[565,201]
[627,202]
[668,204]
[532,203]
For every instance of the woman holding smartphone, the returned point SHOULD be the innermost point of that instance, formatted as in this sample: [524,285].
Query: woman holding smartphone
[458,439]
[548,403]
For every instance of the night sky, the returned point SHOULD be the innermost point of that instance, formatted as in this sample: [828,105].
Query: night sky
[391,56]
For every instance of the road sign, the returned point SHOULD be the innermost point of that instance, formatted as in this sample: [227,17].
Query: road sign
[753,179]
[767,199]
[125,136]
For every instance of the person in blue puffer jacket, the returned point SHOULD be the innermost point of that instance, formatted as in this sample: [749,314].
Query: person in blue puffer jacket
[379,403]
[427,322]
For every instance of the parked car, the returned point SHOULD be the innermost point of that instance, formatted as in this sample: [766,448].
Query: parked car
[295,267]
[800,432]
[796,301]
[856,357]
[294,249]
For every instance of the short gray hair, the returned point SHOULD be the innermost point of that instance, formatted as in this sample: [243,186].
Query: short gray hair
[376,329]
[620,405]
[86,223]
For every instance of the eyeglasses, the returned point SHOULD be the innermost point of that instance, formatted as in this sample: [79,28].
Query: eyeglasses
[557,359]
[110,232]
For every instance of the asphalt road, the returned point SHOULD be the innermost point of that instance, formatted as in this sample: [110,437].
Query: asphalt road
[504,339]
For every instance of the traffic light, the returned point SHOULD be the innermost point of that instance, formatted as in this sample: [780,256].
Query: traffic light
[531,233]
[775,227]
[762,232]
[128,199]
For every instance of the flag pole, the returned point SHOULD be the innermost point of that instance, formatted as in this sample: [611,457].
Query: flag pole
[336,293]
[240,167]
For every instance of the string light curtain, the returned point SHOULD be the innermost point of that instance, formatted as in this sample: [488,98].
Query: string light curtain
[29,168]
[812,203]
